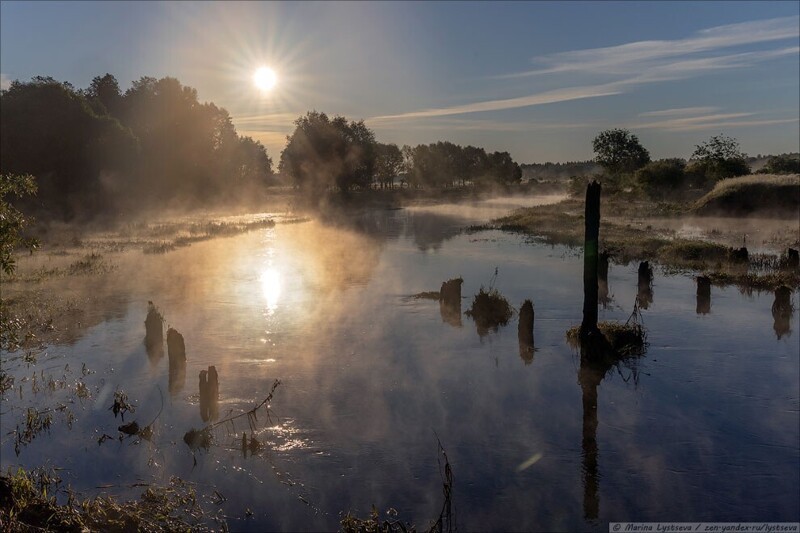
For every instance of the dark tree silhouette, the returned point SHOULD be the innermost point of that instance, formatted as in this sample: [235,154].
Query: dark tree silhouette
[619,151]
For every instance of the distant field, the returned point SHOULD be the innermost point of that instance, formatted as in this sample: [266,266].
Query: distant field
[762,194]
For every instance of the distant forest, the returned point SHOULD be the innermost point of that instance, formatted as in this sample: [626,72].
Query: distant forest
[102,151]
[559,171]
[563,171]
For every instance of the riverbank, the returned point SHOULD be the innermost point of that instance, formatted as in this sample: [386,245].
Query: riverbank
[634,229]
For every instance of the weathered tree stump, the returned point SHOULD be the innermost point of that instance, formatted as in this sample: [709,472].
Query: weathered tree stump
[525,332]
[176,350]
[450,301]
[792,258]
[209,394]
[739,255]
[154,333]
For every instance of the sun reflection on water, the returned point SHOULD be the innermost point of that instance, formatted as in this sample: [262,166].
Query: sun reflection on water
[271,286]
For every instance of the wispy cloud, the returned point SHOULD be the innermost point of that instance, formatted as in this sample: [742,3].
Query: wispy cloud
[547,97]
[717,121]
[639,63]
[678,111]
[461,124]
[5,82]
[267,118]
[633,57]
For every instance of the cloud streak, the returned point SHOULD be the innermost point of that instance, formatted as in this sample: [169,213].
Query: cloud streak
[547,97]
[715,121]
[631,57]
[638,63]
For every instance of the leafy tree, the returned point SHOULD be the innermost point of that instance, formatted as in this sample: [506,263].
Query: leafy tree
[49,130]
[619,151]
[719,158]
[105,91]
[98,150]
[662,176]
[388,163]
[12,221]
[323,153]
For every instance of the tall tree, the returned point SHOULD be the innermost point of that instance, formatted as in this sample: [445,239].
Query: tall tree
[323,153]
[719,157]
[618,151]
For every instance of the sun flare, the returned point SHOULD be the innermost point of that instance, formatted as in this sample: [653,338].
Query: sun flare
[265,79]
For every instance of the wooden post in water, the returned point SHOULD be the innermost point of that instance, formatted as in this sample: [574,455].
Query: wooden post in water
[590,258]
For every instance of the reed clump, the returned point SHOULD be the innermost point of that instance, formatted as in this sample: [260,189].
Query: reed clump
[490,309]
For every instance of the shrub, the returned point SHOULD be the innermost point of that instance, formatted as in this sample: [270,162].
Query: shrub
[662,176]
[782,164]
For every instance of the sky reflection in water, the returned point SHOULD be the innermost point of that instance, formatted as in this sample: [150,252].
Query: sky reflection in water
[705,425]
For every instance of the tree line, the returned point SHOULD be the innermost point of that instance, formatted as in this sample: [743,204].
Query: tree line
[100,149]
[626,163]
[104,150]
[324,153]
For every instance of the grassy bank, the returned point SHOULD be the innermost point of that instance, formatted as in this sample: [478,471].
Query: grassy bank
[626,234]
[767,195]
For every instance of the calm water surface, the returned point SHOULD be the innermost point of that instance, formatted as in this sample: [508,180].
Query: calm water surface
[704,427]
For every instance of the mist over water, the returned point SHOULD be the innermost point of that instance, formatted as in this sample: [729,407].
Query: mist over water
[371,376]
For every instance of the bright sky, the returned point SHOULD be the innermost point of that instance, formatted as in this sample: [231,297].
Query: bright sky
[538,79]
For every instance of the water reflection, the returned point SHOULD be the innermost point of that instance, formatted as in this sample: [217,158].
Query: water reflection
[271,287]
[645,285]
[590,375]
[209,394]
[525,332]
[703,295]
[782,311]
[602,280]
[176,350]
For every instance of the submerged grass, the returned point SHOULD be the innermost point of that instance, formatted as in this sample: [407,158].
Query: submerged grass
[489,310]
[624,339]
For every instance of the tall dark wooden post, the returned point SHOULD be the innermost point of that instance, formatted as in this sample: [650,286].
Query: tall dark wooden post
[590,258]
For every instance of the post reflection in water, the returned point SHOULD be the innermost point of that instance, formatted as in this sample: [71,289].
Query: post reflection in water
[209,394]
[703,295]
[589,376]
[782,311]
[645,285]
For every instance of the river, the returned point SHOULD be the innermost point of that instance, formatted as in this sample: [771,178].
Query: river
[703,427]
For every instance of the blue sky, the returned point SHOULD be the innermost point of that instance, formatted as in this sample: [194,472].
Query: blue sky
[538,79]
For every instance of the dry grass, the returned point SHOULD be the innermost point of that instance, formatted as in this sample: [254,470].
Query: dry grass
[28,503]
[765,194]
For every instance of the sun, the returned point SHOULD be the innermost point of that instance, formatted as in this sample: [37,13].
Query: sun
[265,79]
